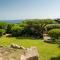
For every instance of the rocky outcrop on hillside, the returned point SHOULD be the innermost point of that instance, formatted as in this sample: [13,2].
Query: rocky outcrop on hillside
[18,53]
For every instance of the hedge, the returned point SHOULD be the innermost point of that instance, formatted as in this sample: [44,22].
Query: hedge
[54,33]
[52,26]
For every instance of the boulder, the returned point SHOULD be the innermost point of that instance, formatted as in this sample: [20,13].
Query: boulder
[30,54]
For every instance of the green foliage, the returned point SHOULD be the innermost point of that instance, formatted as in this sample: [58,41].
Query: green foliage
[2,31]
[29,27]
[15,30]
[57,20]
[54,33]
[47,21]
[16,27]
[39,21]
[52,26]
[9,26]
[33,27]
[58,42]
[3,25]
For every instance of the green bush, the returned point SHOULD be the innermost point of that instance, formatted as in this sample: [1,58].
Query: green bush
[15,30]
[54,33]
[2,32]
[57,20]
[52,26]
[33,28]
[3,25]
[9,26]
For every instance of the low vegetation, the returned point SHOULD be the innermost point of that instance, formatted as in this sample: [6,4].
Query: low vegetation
[46,50]
[54,33]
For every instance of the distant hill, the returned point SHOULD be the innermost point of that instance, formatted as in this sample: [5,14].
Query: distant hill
[11,21]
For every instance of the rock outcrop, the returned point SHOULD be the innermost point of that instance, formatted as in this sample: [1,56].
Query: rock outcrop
[30,54]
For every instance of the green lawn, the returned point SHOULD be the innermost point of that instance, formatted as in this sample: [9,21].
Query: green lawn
[46,50]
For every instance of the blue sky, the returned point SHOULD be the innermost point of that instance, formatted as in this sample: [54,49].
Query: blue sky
[29,9]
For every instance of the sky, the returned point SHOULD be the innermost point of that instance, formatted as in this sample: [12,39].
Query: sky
[29,9]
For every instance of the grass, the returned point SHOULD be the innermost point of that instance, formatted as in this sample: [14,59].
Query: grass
[46,50]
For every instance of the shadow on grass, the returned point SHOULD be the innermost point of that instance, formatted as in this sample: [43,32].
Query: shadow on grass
[55,58]
[22,37]
[50,41]
[28,38]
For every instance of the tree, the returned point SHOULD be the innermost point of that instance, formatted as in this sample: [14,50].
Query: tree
[16,30]
[9,26]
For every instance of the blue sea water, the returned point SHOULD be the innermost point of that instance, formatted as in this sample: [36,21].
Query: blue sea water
[11,21]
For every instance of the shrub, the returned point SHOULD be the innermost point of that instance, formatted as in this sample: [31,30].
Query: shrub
[52,26]
[54,33]
[57,20]
[15,30]
[2,31]
[3,25]
[47,21]
[9,26]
